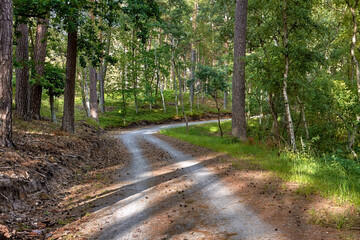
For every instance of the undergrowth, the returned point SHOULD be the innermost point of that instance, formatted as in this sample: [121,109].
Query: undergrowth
[117,115]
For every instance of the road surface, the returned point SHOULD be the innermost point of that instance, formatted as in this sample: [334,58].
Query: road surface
[166,194]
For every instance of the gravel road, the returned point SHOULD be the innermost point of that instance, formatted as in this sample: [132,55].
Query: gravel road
[167,194]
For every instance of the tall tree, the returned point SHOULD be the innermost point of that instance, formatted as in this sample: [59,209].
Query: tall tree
[238,101]
[69,94]
[72,21]
[22,72]
[193,57]
[39,59]
[289,122]
[6,61]
[93,93]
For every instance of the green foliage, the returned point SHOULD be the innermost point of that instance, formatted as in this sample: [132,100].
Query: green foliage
[54,80]
[214,80]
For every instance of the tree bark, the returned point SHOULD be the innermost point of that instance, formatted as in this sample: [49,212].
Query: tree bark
[159,80]
[6,63]
[193,57]
[303,117]
[83,87]
[93,94]
[192,86]
[101,87]
[181,97]
[353,44]
[69,94]
[238,91]
[289,123]
[39,59]
[174,79]
[52,108]
[103,71]
[22,73]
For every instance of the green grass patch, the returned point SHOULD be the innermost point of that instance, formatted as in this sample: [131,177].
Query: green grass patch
[331,176]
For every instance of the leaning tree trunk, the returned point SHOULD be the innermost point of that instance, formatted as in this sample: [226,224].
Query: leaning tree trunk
[93,94]
[69,94]
[39,59]
[6,62]
[22,73]
[238,91]
[289,123]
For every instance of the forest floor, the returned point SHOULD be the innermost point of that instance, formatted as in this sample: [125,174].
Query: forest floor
[39,176]
[87,186]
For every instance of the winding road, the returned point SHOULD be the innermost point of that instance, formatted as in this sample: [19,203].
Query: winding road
[166,194]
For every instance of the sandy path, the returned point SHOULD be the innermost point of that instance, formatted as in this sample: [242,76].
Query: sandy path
[168,194]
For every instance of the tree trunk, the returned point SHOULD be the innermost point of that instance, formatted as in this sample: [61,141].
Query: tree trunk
[6,63]
[289,123]
[159,81]
[103,71]
[93,93]
[181,97]
[22,73]
[225,99]
[134,74]
[353,44]
[39,59]
[102,93]
[193,57]
[303,117]
[69,94]
[175,85]
[52,109]
[84,92]
[274,117]
[192,86]
[218,115]
[238,101]
[162,96]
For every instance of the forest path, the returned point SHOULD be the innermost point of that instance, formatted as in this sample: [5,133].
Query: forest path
[167,194]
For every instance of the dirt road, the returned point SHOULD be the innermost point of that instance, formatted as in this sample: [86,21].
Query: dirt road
[167,194]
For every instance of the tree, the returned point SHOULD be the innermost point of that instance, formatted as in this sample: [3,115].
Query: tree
[72,21]
[214,82]
[238,90]
[22,72]
[93,93]
[6,61]
[54,85]
[39,61]
[289,122]
[69,94]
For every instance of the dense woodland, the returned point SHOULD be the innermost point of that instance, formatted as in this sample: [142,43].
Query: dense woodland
[301,68]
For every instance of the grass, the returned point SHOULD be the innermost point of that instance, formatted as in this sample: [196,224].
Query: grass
[330,176]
